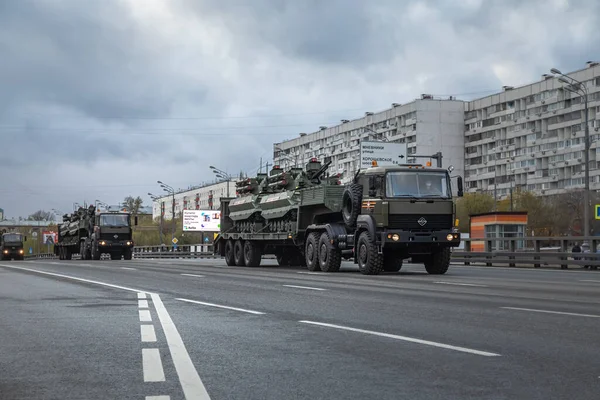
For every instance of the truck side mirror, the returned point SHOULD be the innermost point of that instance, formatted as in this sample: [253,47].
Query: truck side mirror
[136,220]
[459,182]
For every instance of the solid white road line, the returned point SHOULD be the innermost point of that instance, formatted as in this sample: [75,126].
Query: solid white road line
[143,303]
[589,280]
[220,306]
[158,397]
[460,284]
[145,316]
[192,385]
[303,287]
[310,273]
[153,368]
[132,269]
[148,333]
[405,338]
[141,295]
[74,278]
[197,276]
[552,312]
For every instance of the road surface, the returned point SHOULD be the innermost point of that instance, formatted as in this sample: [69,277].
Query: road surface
[197,329]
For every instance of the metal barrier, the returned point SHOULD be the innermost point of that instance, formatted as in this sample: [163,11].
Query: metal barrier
[41,255]
[530,251]
[185,251]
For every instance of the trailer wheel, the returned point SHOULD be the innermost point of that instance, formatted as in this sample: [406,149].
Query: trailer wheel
[238,253]
[252,256]
[330,259]
[439,262]
[68,254]
[312,252]
[370,262]
[128,254]
[351,204]
[82,250]
[391,262]
[96,255]
[60,253]
[229,254]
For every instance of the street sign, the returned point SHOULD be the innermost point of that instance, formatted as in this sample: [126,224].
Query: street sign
[385,153]
[174,240]
[34,234]
[597,213]
[207,239]
[31,250]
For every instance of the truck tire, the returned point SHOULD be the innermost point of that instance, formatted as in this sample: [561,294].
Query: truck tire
[96,255]
[330,259]
[438,262]
[229,254]
[238,253]
[391,262]
[252,254]
[312,252]
[370,262]
[128,254]
[68,254]
[351,204]
[60,253]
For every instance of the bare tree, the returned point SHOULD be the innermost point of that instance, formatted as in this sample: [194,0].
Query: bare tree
[40,215]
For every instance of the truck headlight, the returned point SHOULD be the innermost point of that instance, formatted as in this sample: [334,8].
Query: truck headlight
[5,251]
[395,237]
[449,236]
[128,243]
[102,243]
[21,251]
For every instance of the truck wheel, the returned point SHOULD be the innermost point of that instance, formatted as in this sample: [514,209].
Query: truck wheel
[438,262]
[252,256]
[96,255]
[229,255]
[60,253]
[238,253]
[391,262]
[330,259]
[351,204]
[68,254]
[370,262]
[312,252]
[128,254]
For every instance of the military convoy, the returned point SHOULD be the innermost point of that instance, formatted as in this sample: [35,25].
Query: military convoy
[11,246]
[386,215]
[90,233]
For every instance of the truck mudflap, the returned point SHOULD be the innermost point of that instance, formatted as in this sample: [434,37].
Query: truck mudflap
[393,238]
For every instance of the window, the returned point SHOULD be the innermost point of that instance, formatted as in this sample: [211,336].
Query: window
[12,237]
[417,184]
[114,220]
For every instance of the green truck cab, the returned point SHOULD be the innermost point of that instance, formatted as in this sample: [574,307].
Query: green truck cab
[11,246]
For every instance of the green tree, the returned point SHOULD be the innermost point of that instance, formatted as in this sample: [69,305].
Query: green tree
[472,203]
[133,204]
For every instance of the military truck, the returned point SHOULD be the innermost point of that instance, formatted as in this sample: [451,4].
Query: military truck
[11,246]
[386,215]
[91,233]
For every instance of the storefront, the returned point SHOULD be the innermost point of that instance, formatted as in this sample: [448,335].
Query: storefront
[500,225]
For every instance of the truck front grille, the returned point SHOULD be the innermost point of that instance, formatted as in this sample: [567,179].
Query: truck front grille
[434,222]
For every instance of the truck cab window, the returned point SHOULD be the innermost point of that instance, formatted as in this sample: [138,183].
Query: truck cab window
[115,220]
[417,184]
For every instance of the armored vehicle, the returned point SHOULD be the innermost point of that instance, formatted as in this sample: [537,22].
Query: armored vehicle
[11,246]
[91,233]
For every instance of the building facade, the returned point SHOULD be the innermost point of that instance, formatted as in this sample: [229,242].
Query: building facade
[532,137]
[529,138]
[201,198]
[426,126]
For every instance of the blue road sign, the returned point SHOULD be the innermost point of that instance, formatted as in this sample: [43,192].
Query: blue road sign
[597,213]
[31,250]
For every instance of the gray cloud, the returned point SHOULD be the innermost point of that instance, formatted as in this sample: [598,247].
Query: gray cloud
[101,99]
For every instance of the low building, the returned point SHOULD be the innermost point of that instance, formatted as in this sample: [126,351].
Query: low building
[497,225]
[205,197]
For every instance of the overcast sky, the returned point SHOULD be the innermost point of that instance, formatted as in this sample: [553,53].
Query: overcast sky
[101,98]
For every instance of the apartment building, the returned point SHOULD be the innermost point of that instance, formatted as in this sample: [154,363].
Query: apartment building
[532,137]
[426,126]
[200,198]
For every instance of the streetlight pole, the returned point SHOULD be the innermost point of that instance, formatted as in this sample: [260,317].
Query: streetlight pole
[171,191]
[222,174]
[160,227]
[580,89]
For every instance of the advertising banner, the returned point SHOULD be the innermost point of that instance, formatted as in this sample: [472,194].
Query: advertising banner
[202,220]
[49,237]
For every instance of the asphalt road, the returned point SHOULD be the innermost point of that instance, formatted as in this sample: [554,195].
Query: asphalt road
[197,329]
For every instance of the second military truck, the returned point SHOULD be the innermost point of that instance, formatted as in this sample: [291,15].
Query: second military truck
[11,246]
[91,233]
[386,215]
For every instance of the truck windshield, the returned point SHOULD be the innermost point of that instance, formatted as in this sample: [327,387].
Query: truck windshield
[114,220]
[417,184]
[12,237]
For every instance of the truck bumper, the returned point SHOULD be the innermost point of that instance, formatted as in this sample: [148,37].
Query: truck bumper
[9,253]
[400,239]
[106,245]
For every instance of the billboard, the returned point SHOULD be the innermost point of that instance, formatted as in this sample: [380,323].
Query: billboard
[202,220]
[385,153]
[49,237]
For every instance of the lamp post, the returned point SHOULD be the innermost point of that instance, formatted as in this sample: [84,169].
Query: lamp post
[223,175]
[171,191]
[160,228]
[579,88]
